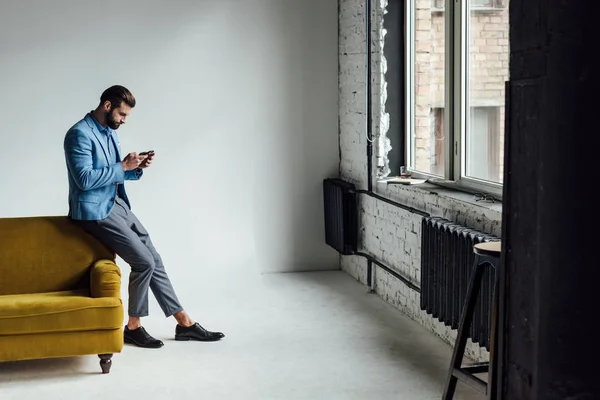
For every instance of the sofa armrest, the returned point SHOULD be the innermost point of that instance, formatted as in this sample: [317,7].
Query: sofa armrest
[105,279]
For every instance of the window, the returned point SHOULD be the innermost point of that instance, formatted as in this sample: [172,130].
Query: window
[457,67]
[483,144]
[438,4]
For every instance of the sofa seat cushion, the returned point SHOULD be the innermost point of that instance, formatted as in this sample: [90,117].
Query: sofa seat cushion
[67,311]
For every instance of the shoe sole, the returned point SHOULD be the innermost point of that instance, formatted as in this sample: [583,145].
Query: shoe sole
[131,341]
[187,339]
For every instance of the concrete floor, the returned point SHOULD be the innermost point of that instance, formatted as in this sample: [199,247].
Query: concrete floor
[289,336]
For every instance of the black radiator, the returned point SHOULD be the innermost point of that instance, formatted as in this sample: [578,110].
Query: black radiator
[341,215]
[446,266]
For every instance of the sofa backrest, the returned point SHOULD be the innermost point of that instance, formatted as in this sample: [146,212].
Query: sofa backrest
[46,254]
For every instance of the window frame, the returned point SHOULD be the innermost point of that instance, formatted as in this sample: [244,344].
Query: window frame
[455,112]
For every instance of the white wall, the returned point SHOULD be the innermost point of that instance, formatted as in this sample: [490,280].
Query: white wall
[237,98]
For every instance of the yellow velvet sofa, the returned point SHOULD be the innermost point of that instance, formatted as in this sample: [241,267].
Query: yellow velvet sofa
[60,292]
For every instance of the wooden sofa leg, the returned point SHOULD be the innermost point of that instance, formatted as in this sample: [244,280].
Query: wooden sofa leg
[105,362]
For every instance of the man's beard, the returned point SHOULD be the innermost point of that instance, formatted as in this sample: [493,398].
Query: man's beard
[110,121]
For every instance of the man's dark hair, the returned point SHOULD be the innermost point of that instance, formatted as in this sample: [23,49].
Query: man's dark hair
[116,95]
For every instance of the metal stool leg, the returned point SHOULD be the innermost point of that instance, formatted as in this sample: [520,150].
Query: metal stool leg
[492,387]
[463,329]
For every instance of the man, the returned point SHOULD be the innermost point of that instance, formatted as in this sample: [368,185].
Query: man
[98,201]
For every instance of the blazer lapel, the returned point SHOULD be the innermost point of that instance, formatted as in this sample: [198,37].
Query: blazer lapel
[100,139]
[116,144]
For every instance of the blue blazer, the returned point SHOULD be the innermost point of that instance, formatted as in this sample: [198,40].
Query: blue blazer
[94,179]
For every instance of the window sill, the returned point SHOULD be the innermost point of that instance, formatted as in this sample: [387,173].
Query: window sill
[469,188]
[456,194]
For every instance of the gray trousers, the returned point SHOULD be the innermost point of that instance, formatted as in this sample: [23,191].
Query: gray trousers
[122,232]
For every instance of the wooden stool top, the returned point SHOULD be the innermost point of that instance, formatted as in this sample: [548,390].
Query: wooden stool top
[492,249]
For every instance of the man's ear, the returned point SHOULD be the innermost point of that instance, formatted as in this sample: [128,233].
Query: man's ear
[107,105]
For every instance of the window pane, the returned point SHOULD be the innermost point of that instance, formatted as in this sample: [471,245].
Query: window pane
[481,3]
[427,136]
[487,70]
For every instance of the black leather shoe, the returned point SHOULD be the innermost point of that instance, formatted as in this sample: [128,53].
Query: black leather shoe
[196,332]
[141,338]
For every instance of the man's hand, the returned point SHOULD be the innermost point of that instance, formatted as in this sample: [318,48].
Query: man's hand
[132,161]
[147,160]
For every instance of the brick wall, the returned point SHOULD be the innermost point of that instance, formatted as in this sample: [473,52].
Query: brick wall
[390,234]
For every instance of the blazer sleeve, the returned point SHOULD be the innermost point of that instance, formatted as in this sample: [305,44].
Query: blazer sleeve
[78,153]
[134,174]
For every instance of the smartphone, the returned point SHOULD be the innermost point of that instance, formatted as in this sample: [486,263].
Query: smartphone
[143,153]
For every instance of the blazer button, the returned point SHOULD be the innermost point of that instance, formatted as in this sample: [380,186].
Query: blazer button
[112,199]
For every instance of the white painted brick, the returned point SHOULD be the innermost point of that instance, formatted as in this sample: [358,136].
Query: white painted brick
[393,235]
